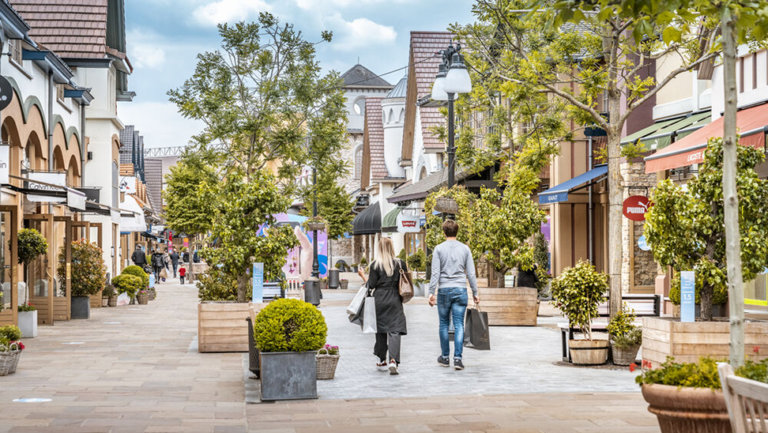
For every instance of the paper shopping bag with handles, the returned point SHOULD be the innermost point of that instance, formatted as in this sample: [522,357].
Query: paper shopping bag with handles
[369,315]
[476,327]
[357,302]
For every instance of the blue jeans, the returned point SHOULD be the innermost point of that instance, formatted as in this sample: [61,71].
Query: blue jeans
[452,302]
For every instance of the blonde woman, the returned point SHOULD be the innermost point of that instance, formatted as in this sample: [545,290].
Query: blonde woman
[383,281]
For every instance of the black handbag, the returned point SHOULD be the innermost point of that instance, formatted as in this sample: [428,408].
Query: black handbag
[476,332]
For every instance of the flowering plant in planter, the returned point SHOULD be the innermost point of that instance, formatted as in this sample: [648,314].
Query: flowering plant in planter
[26,307]
[328,350]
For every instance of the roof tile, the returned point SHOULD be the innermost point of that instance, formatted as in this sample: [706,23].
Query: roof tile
[374,129]
[424,46]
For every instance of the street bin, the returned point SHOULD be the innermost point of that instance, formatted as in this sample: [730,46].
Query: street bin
[333,279]
[312,292]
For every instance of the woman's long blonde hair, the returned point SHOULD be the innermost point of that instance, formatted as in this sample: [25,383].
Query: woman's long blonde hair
[385,256]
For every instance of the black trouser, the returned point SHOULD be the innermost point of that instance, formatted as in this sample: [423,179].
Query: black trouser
[387,341]
[182,279]
[157,270]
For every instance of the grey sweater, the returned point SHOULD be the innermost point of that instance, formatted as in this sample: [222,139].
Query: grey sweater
[452,266]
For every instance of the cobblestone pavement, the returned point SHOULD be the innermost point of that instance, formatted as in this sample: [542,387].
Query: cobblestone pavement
[136,369]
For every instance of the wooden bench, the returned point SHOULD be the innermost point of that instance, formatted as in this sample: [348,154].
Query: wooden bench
[644,306]
[272,291]
[747,401]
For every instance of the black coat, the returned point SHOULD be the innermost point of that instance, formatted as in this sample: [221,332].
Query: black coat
[389,305]
[139,258]
[174,258]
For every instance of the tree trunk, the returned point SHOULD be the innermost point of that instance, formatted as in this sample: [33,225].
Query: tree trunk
[499,276]
[242,287]
[615,195]
[705,302]
[730,197]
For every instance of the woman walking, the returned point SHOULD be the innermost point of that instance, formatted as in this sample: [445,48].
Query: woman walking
[383,282]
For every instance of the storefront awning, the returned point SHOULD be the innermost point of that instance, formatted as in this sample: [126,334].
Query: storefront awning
[560,192]
[679,130]
[751,124]
[632,138]
[131,216]
[389,222]
[368,222]
[421,189]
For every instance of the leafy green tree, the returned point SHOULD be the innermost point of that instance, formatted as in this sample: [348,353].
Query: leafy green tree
[598,58]
[686,228]
[189,195]
[88,274]
[246,204]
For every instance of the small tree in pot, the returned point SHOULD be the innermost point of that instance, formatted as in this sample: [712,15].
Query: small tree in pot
[288,333]
[87,275]
[625,337]
[578,292]
[31,245]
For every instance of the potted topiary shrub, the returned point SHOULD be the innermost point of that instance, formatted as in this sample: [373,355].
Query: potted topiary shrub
[128,284]
[687,397]
[578,292]
[626,338]
[31,245]
[87,275]
[288,333]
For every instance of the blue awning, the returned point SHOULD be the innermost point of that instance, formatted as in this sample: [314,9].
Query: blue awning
[560,192]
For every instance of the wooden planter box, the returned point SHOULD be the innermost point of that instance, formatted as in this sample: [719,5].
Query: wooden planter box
[687,342]
[221,326]
[514,306]
[96,300]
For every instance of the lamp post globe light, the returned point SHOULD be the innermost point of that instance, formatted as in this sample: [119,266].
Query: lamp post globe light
[452,78]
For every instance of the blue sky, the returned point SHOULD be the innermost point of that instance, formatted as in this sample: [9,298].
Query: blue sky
[164,37]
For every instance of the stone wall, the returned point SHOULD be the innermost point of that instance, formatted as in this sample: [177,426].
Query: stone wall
[636,182]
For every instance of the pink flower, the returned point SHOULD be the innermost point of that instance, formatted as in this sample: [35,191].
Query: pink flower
[756,349]
[632,367]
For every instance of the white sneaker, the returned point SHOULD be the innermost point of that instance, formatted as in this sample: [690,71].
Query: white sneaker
[393,368]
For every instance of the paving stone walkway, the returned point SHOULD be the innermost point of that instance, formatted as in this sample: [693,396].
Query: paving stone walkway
[136,369]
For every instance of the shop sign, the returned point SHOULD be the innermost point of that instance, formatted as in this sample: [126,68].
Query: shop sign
[635,207]
[6,93]
[75,199]
[642,243]
[407,224]
[58,179]
[128,184]
[687,296]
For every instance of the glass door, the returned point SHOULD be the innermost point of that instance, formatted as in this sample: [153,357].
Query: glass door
[37,275]
[11,295]
[62,250]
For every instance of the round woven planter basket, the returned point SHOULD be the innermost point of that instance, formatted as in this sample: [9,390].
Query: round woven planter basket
[9,361]
[326,366]
[112,301]
[624,355]
[142,298]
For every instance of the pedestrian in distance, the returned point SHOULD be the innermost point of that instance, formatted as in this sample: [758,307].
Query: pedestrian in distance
[139,258]
[157,264]
[383,283]
[182,273]
[452,266]
[174,261]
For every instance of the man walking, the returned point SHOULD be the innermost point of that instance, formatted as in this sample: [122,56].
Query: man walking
[452,266]
[138,257]
[174,261]
[157,264]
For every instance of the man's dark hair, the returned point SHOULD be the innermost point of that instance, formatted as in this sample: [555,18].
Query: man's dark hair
[450,228]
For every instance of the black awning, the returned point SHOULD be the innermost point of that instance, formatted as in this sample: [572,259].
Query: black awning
[368,222]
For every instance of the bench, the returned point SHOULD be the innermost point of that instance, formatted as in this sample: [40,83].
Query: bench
[747,401]
[644,305]
[272,290]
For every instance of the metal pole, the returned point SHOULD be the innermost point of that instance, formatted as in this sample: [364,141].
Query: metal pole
[451,148]
[315,264]
[591,234]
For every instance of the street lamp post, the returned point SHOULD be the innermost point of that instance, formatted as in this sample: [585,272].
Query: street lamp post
[452,79]
[315,263]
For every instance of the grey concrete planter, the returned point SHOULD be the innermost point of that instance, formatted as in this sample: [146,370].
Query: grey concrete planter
[81,307]
[288,375]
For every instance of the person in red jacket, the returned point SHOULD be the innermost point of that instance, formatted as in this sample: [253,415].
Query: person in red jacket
[182,273]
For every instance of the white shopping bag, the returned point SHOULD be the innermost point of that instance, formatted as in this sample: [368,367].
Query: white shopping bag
[357,301]
[369,315]
[123,299]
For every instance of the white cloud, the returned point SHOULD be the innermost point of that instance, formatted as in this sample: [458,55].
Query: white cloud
[224,11]
[359,33]
[159,123]
[147,55]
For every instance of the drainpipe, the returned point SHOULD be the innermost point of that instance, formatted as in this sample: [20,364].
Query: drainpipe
[590,234]
[50,120]
[82,144]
